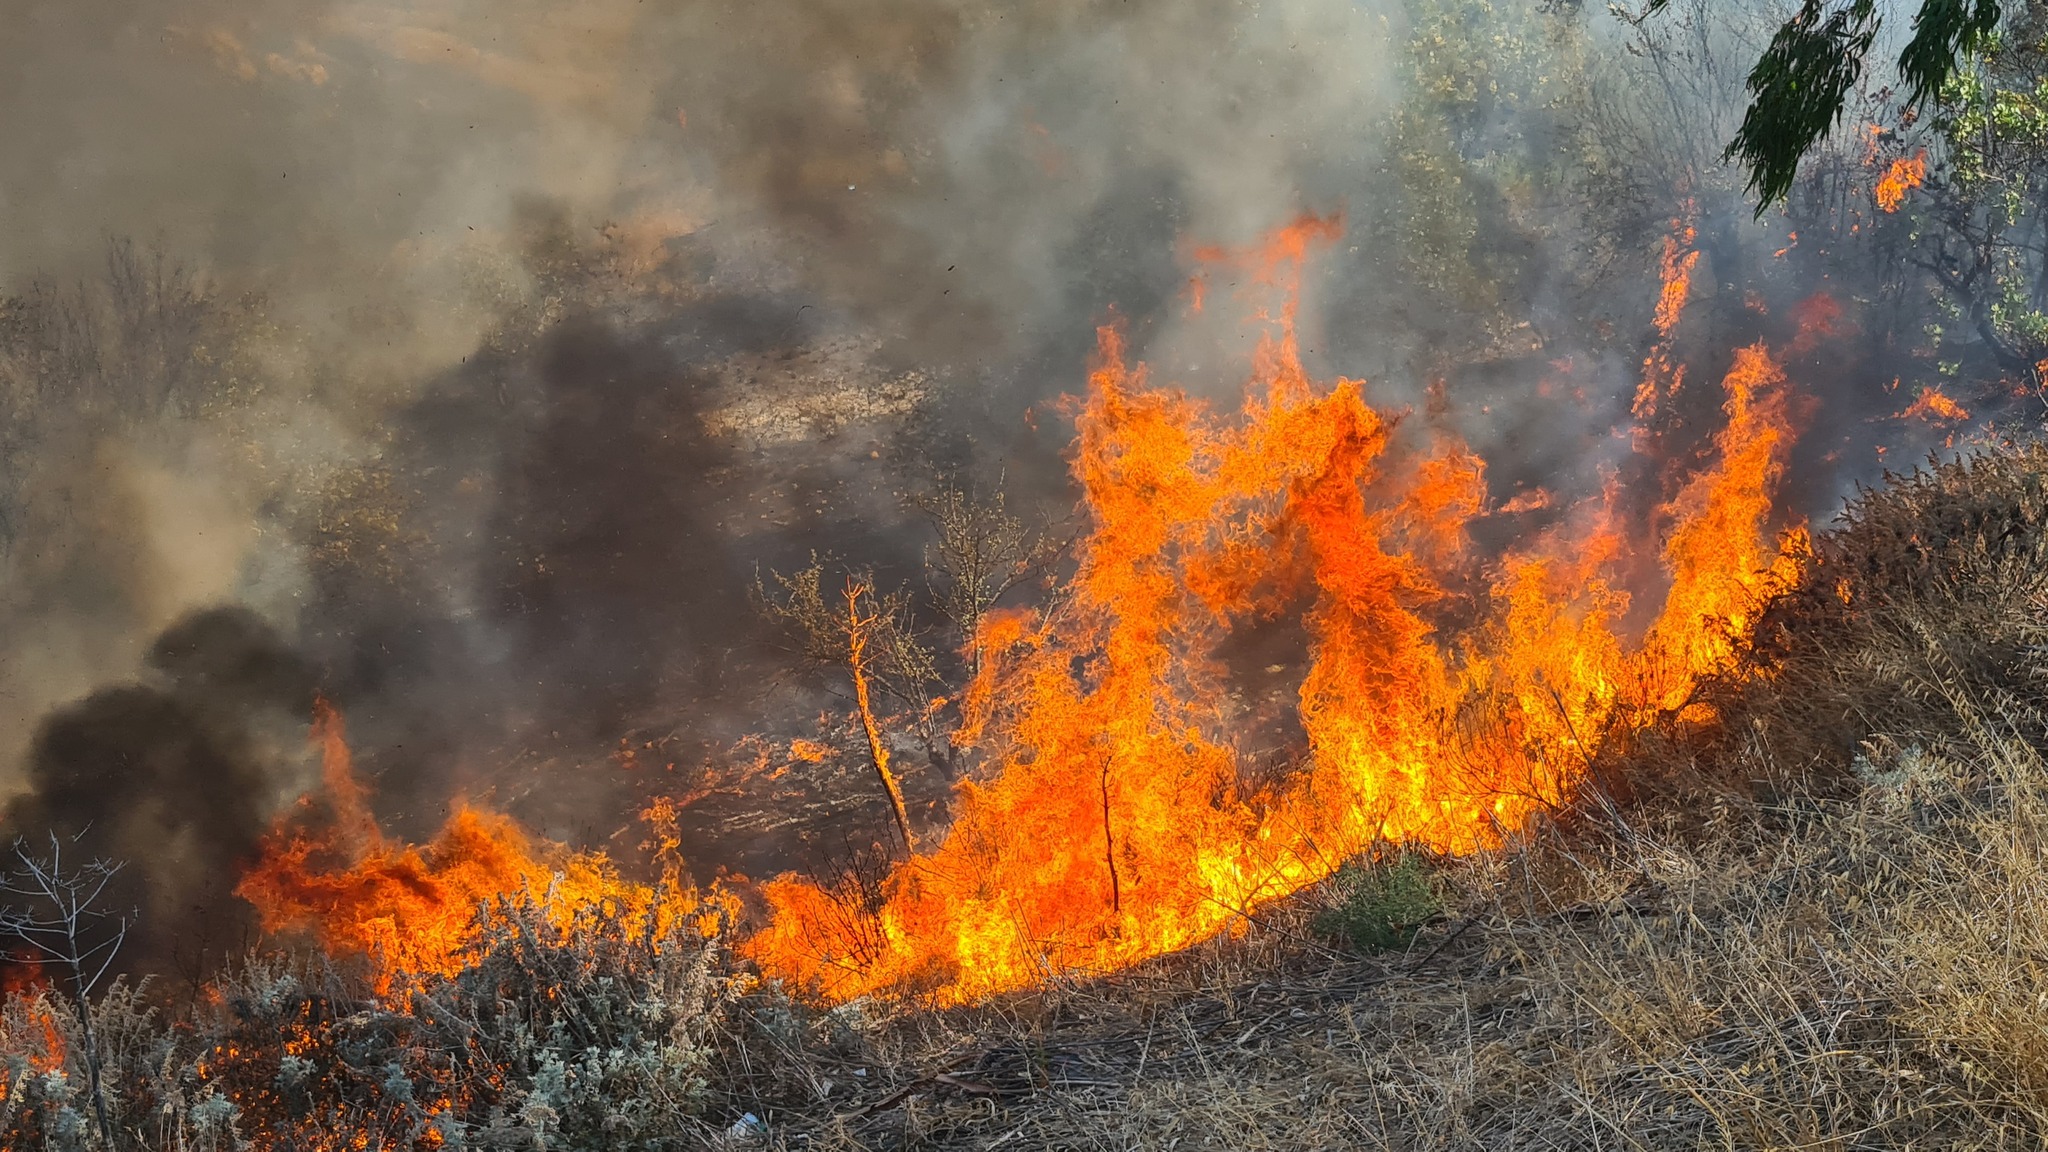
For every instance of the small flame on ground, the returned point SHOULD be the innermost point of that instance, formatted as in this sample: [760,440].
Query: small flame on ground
[1935,406]
[329,871]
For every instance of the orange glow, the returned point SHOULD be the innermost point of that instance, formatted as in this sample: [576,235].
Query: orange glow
[1110,820]
[1533,500]
[1819,318]
[1935,406]
[1905,174]
[31,1031]
[22,977]
[328,871]
[1662,376]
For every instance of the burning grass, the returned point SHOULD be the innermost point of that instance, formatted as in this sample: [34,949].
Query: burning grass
[1815,922]
[1850,973]
[328,872]
[1112,819]
[1851,964]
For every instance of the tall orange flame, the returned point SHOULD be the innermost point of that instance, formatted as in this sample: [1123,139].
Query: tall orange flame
[1114,821]
[1720,564]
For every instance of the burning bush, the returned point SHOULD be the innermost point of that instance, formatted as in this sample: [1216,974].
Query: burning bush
[1919,610]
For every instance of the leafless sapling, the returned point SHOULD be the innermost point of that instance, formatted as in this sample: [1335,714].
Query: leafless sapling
[53,917]
[980,554]
[869,635]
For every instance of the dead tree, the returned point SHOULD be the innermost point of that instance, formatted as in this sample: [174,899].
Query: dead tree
[981,553]
[864,625]
[867,635]
[54,918]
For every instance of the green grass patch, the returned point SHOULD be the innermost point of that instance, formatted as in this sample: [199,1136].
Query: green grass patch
[1380,905]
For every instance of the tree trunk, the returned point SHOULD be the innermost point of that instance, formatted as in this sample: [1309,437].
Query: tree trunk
[878,752]
[92,1056]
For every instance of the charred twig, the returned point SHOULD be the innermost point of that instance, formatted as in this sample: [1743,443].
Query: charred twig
[870,636]
[1116,896]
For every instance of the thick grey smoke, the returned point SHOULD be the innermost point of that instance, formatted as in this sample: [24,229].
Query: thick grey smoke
[965,189]
[352,151]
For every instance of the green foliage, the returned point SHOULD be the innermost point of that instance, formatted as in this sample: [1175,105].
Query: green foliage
[1799,87]
[1802,82]
[1978,220]
[1944,32]
[1474,171]
[1380,905]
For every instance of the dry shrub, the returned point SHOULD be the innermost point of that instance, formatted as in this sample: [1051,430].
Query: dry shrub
[598,1033]
[1935,582]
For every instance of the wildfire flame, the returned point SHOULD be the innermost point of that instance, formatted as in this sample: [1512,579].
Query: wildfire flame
[1905,174]
[1113,823]
[30,1033]
[1934,406]
[329,871]
[1113,818]
[1662,375]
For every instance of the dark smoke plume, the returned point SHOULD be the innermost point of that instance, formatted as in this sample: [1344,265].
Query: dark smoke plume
[172,775]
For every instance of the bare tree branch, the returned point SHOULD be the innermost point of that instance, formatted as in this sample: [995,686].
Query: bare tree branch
[53,911]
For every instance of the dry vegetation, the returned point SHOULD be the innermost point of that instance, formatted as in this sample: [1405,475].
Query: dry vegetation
[1815,921]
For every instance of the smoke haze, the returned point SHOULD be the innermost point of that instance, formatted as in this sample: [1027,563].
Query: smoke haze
[496,344]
